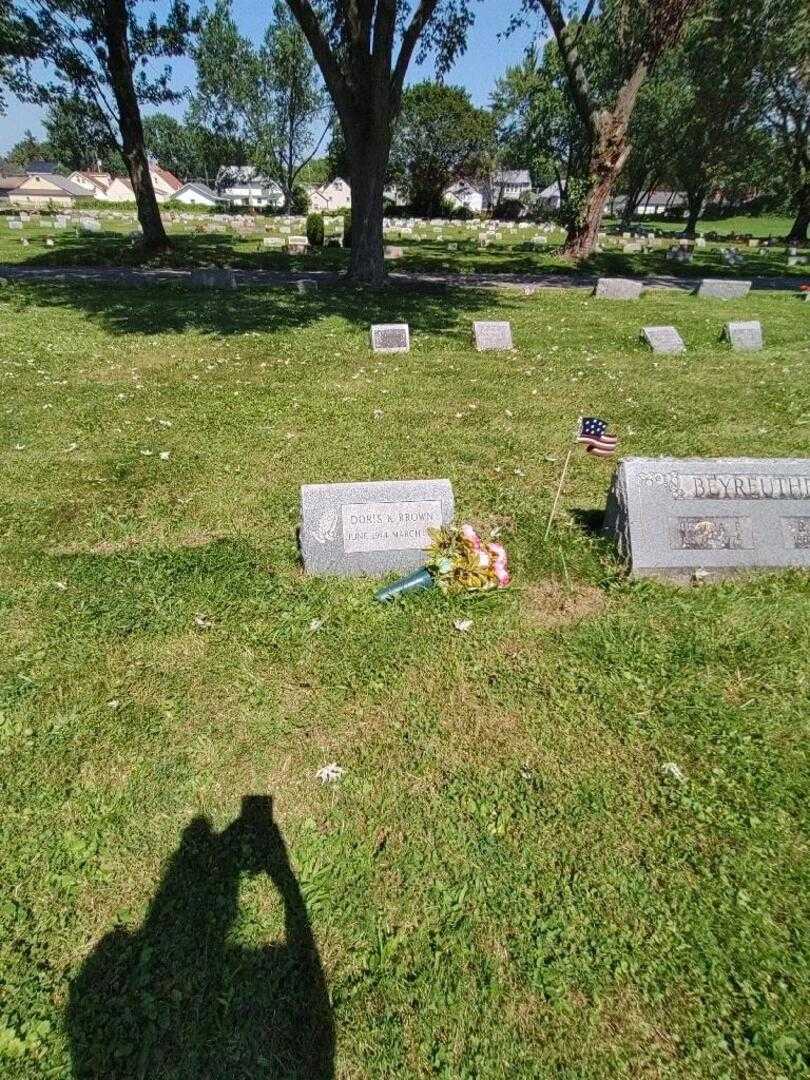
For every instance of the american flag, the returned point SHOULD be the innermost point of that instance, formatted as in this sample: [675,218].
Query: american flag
[594,435]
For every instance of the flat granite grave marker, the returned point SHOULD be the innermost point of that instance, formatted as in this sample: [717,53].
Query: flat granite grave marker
[744,335]
[492,336]
[663,339]
[371,528]
[390,337]
[212,279]
[672,516]
[719,289]
[618,289]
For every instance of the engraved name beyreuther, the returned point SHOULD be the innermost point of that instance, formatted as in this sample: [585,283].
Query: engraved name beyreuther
[389,526]
[733,486]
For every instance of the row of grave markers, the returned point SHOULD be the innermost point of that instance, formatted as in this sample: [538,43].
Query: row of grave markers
[494,336]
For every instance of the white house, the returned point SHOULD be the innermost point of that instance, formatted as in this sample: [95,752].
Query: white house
[108,188]
[244,185]
[510,184]
[336,195]
[196,193]
[550,197]
[655,203]
[465,194]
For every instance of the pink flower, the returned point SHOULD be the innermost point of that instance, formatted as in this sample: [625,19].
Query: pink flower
[483,559]
[502,574]
[498,552]
[471,536]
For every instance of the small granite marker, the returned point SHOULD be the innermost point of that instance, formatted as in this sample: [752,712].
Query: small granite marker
[618,289]
[371,528]
[672,516]
[720,289]
[663,339]
[492,336]
[744,335]
[390,338]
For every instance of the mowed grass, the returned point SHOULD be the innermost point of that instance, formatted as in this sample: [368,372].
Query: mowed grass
[448,248]
[504,882]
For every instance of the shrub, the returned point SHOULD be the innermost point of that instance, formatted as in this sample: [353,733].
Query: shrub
[299,202]
[347,228]
[315,230]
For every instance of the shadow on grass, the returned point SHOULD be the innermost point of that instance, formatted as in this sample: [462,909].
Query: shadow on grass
[166,308]
[178,1000]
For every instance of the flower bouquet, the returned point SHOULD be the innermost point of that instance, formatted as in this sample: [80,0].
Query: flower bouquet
[459,561]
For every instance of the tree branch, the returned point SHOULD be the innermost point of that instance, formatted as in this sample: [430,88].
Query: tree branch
[578,80]
[332,75]
[421,17]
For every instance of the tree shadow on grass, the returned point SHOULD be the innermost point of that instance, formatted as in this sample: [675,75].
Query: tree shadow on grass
[164,308]
[177,1001]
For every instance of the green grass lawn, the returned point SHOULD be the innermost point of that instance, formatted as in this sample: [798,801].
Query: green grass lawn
[504,883]
[513,252]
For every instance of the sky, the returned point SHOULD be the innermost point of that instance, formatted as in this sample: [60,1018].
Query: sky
[485,60]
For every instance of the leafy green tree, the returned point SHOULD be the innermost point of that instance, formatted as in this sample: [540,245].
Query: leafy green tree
[77,136]
[354,46]
[633,35]
[785,76]
[29,148]
[440,137]
[100,51]
[270,97]
[715,101]
[189,150]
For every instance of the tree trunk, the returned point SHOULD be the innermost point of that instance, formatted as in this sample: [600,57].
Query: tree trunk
[798,231]
[609,152]
[129,121]
[694,200]
[369,161]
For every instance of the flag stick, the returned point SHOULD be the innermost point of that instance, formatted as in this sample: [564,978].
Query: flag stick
[559,492]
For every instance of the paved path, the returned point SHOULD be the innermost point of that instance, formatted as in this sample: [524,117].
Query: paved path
[114,275]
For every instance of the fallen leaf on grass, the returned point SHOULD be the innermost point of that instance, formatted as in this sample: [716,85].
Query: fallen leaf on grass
[669,768]
[202,621]
[329,774]
[462,625]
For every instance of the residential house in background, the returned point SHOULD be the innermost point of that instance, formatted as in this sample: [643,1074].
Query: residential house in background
[94,183]
[550,198]
[244,185]
[43,190]
[7,185]
[108,188]
[334,195]
[467,195]
[652,205]
[196,193]
[508,185]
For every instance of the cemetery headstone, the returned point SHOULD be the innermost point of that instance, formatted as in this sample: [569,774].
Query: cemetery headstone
[393,252]
[492,336]
[371,528]
[390,337]
[744,335]
[14,224]
[213,279]
[719,289]
[272,242]
[672,516]
[297,245]
[663,339]
[618,289]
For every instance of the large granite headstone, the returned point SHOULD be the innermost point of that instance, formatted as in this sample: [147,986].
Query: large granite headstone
[663,339]
[618,289]
[390,337]
[371,528]
[744,335]
[492,336]
[719,289]
[672,516]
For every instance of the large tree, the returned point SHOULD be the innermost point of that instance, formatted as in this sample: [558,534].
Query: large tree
[786,81]
[78,137]
[269,98]
[99,51]
[640,32]
[364,48]
[440,137]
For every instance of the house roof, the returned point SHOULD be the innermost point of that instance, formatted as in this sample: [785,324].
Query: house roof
[247,175]
[518,177]
[60,182]
[202,189]
[170,178]
[550,191]
[9,183]
[40,166]
[102,180]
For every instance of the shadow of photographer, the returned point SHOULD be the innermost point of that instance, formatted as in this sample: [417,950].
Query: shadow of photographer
[177,1000]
